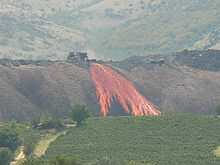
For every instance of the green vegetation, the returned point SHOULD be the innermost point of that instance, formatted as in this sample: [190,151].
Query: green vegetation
[5,156]
[13,135]
[9,138]
[218,110]
[79,114]
[24,140]
[28,136]
[44,143]
[34,161]
[47,122]
[170,139]
[59,160]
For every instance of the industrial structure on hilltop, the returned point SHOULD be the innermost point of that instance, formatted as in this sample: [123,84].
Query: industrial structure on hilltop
[80,58]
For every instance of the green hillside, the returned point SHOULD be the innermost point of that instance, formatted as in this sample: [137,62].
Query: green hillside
[110,29]
[171,139]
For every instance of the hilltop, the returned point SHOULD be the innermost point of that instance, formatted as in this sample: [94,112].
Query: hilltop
[110,29]
[187,81]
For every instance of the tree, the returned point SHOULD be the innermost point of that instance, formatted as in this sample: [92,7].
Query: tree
[35,122]
[79,114]
[9,138]
[218,110]
[47,122]
[5,156]
[29,146]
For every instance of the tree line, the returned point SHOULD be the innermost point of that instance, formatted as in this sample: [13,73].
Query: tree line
[10,140]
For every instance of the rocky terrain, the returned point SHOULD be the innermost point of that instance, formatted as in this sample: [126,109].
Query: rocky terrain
[109,29]
[182,81]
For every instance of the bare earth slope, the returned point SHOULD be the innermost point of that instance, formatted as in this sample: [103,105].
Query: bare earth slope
[178,88]
[29,90]
[173,84]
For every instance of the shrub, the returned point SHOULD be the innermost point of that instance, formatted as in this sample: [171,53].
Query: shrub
[64,160]
[79,114]
[47,122]
[29,146]
[35,161]
[9,138]
[218,110]
[35,122]
[52,123]
[5,156]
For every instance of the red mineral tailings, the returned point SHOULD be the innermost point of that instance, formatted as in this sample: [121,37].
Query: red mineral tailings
[110,85]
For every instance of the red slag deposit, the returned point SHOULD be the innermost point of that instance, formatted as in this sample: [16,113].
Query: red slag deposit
[110,85]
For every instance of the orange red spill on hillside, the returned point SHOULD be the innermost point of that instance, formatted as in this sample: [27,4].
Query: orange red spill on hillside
[110,85]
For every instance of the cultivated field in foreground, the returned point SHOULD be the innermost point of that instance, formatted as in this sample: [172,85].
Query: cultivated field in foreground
[170,139]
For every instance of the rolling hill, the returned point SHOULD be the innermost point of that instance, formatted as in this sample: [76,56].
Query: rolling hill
[187,81]
[29,90]
[109,29]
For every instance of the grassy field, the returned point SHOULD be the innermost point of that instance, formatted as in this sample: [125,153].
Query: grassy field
[44,143]
[182,139]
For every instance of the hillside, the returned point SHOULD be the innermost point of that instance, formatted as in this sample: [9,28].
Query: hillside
[182,139]
[109,29]
[29,90]
[188,81]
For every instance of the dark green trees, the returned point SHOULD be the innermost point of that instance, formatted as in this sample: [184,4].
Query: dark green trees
[9,141]
[9,138]
[5,156]
[47,122]
[79,114]
[218,110]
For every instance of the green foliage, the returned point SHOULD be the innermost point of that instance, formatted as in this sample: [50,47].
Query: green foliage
[59,160]
[9,138]
[5,156]
[105,161]
[13,134]
[218,110]
[29,136]
[35,161]
[64,160]
[170,139]
[79,114]
[29,146]
[35,122]
[47,122]
[132,162]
